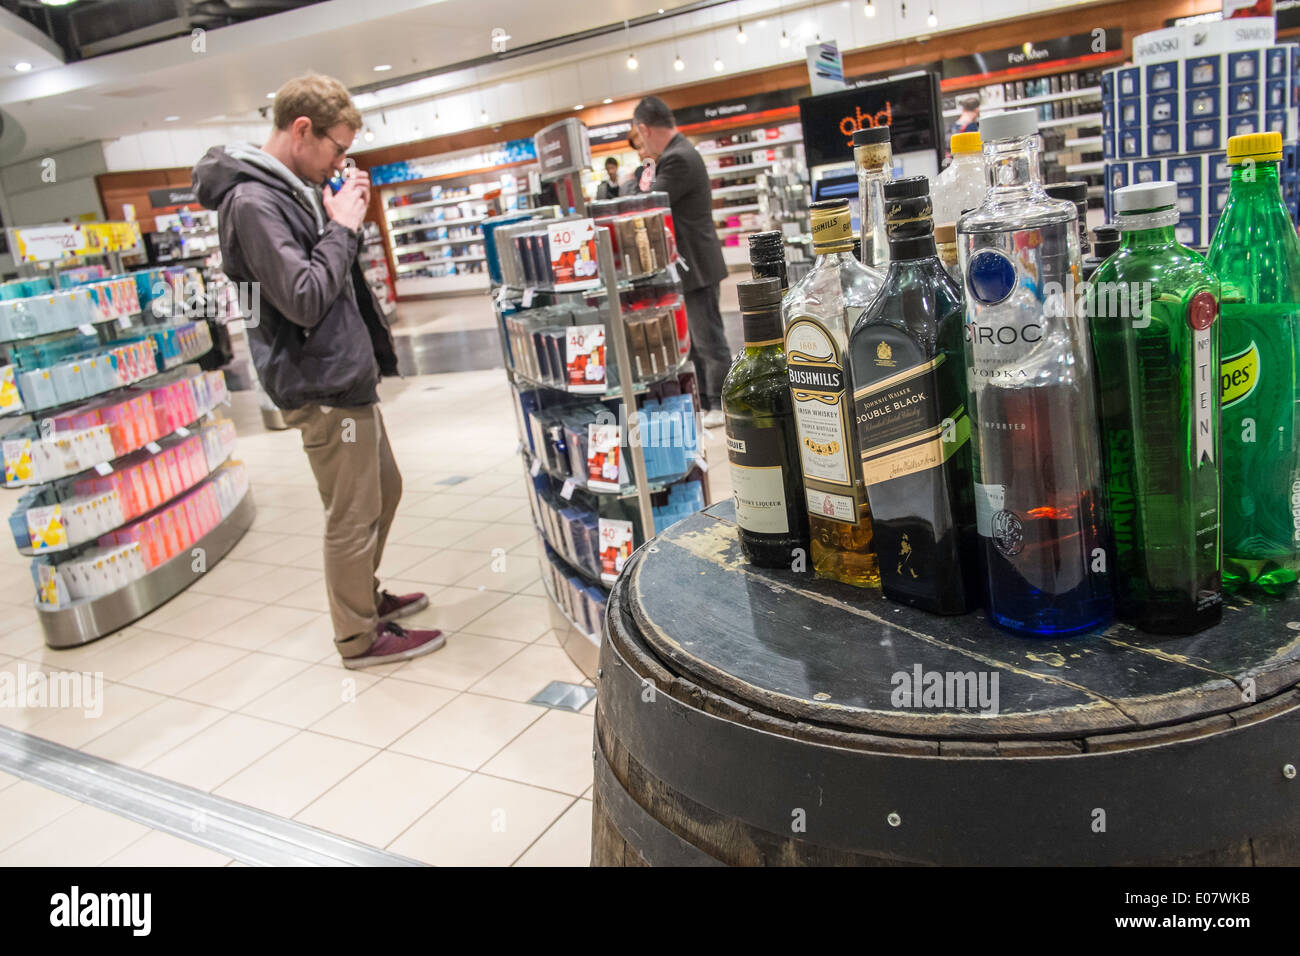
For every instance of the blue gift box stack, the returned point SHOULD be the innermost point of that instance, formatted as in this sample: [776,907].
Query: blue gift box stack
[1171,120]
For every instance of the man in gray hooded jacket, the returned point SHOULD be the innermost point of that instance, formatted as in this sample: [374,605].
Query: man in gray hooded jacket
[321,344]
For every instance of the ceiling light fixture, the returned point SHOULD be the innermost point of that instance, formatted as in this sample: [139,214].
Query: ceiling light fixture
[383,67]
[632,63]
[718,65]
[607,100]
[740,33]
[580,106]
[270,96]
[368,135]
[170,119]
[932,20]
[679,64]
[58,3]
[761,24]
[483,116]
[870,9]
[785,38]
[23,66]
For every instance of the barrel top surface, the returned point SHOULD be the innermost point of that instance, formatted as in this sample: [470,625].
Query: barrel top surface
[819,651]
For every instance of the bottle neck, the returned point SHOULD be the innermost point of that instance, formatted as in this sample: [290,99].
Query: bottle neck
[915,247]
[1014,164]
[824,256]
[763,328]
[1255,177]
[1148,229]
[968,159]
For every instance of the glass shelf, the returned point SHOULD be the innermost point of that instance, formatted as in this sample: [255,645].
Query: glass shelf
[624,491]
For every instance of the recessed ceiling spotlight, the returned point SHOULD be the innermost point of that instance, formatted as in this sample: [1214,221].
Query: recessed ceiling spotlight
[607,100]
[23,66]
[579,107]
[383,67]
[170,119]
[270,96]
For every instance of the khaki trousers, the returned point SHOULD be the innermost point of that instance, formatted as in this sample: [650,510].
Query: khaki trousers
[359,486]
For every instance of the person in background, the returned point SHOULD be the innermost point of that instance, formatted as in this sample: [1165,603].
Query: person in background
[643,175]
[608,188]
[322,343]
[969,120]
[680,172]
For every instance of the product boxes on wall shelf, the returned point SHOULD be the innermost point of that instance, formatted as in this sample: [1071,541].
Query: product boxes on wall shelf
[737,160]
[130,493]
[1171,120]
[434,229]
[595,342]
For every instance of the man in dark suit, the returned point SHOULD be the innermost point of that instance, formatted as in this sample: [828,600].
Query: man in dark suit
[680,172]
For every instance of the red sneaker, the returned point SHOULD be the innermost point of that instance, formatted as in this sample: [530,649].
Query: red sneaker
[394,643]
[393,606]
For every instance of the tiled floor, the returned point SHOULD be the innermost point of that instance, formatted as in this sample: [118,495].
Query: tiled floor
[234,686]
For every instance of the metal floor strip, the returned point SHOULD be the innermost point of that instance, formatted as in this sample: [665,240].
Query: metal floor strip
[244,833]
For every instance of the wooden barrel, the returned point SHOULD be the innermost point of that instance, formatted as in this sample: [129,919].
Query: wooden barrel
[755,717]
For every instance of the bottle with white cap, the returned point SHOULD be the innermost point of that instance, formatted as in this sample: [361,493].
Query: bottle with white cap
[1037,459]
[1153,308]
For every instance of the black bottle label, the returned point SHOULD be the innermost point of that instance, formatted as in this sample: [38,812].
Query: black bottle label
[757,457]
[901,428]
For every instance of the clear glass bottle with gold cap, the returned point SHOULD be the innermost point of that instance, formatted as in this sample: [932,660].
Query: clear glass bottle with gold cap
[962,185]
[1257,257]
[819,310]
[874,158]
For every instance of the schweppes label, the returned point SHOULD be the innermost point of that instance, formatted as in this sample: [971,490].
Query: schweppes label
[1238,375]
[814,363]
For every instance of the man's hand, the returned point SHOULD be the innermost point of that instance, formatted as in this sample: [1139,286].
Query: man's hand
[347,207]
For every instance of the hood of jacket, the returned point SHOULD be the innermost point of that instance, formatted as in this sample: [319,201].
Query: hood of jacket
[224,167]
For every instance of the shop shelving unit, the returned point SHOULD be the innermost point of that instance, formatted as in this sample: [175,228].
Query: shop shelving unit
[580,640]
[72,623]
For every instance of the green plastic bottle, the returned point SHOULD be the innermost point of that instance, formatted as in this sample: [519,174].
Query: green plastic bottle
[1153,306]
[1256,254]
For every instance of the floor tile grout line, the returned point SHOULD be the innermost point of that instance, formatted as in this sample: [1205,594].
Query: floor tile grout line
[539,836]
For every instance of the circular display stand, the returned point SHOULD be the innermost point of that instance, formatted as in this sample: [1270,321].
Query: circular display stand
[756,717]
[84,621]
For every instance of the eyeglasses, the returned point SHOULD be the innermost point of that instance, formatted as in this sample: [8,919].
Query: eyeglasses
[339,148]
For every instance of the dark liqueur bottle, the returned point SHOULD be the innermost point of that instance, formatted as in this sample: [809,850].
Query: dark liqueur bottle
[1153,307]
[909,375]
[762,441]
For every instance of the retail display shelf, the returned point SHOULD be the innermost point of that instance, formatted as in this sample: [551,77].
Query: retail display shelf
[434,262]
[453,222]
[130,319]
[83,621]
[1096,167]
[1086,119]
[734,230]
[626,491]
[442,285]
[1090,92]
[181,432]
[29,552]
[630,282]
[153,381]
[433,243]
[1083,141]
[733,170]
[728,210]
[753,147]
[736,190]
[609,391]
[390,210]
[577,569]
[559,609]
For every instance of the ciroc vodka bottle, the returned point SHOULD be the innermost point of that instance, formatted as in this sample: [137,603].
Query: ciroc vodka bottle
[1036,460]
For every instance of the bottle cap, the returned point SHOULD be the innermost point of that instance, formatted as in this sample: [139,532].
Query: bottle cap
[1011,124]
[832,226]
[1106,241]
[1143,197]
[766,245]
[964,143]
[1261,147]
[909,187]
[1075,192]
[759,294]
[871,136]
[947,233]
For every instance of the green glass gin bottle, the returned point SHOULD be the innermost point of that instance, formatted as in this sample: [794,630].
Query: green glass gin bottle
[1153,307]
[1257,257]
